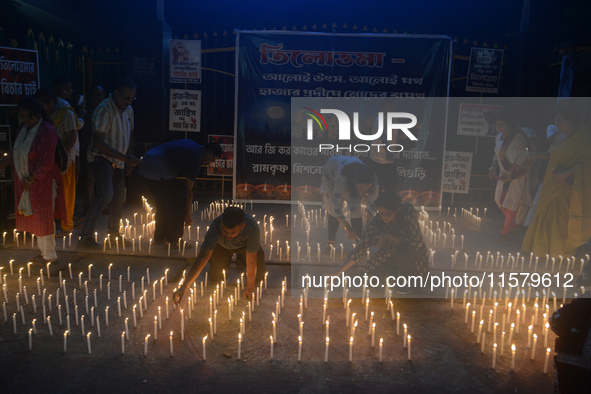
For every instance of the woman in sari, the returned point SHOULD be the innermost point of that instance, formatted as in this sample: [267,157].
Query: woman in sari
[396,234]
[37,179]
[509,168]
[562,222]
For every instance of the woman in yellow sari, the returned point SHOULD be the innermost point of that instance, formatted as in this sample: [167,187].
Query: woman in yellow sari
[562,221]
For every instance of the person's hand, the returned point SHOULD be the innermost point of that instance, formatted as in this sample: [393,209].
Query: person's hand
[178,294]
[26,184]
[560,177]
[249,293]
[492,174]
[351,233]
[188,219]
[132,161]
[506,177]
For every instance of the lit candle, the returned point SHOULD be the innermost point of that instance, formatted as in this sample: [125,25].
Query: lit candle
[512,357]
[88,342]
[373,334]
[351,349]
[123,342]
[479,331]
[548,350]
[170,341]
[240,344]
[409,342]
[146,345]
[494,358]
[204,347]
[30,339]
[271,338]
[533,348]
[65,341]
[211,328]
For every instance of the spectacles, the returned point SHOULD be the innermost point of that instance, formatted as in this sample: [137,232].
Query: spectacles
[128,99]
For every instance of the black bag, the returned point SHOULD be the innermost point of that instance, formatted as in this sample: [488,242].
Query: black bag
[61,156]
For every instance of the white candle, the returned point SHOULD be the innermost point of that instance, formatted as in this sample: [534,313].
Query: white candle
[381,348]
[88,342]
[409,342]
[204,347]
[123,342]
[512,357]
[533,348]
[146,345]
[351,349]
[239,344]
[548,350]
[65,341]
[300,348]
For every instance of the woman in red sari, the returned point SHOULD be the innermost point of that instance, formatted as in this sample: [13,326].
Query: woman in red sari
[37,179]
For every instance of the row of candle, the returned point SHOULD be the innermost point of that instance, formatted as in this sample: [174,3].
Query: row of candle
[498,262]
[532,337]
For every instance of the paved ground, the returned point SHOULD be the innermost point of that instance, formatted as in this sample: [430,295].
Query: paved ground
[444,354]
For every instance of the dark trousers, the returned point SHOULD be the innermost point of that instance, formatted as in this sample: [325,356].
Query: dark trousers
[221,258]
[110,191]
[333,227]
[170,199]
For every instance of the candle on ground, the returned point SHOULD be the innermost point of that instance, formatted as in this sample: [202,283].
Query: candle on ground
[512,357]
[146,345]
[204,347]
[409,343]
[548,350]
[240,344]
[88,342]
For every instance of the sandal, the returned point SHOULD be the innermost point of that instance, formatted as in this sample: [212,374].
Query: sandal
[39,261]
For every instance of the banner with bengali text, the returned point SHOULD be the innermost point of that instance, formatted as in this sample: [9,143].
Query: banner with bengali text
[19,74]
[273,68]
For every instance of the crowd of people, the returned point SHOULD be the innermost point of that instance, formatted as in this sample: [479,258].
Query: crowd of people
[546,193]
[59,145]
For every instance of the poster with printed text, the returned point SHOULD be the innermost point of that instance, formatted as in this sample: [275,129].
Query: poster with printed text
[484,70]
[474,121]
[5,146]
[19,75]
[185,110]
[185,61]
[225,164]
[457,169]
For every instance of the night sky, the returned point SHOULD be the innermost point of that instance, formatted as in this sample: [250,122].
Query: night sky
[103,21]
